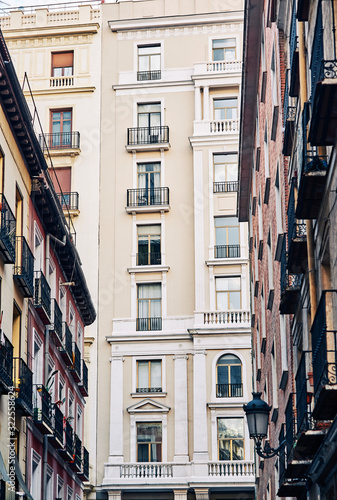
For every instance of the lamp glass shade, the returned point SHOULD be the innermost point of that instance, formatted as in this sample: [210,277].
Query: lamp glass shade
[257,412]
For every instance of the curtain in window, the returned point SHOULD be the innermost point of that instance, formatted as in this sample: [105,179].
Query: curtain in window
[149,301]
[149,439]
[143,374]
[156,374]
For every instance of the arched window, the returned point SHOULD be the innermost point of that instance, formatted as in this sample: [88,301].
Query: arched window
[229,377]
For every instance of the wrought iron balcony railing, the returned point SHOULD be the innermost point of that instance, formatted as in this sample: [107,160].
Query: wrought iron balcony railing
[148,324]
[42,300]
[69,201]
[147,135]
[68,441]
[149,259]
[66,348]
[148,75]
[290,426]
[77,454]
[76,366]
[23,384]
[226,251]
[225,187]
[148,389]
[6,365]
[7,232]
[24,267]
[83,386]
[57,421]
[42,408]
[143,197]
[304,416]
[60,140]
[229,390]
[56,320]
[84,472]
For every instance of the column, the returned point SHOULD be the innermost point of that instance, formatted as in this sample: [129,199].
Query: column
[197,103]
[114,495]
[201,493]
[200,451]
[199,232]
[116,410]
[180,494]
[180,409]
[206,103]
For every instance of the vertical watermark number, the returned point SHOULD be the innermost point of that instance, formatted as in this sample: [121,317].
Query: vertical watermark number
[11,439]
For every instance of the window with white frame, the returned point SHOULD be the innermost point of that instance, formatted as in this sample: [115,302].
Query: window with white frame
[225,172]
[148,176]
[270,261]
[71,319]
[227,239]
[278,201]
[36,486]
[149,376]
[51,378]
[49,484]
[71,408]
[149,307]
[60,487]
[61,392]
[52,279]
[225,108]
[63,301]
[69,493]
[80,338]
[228,293]
[229,377]
[149,115]
[149,441]
[274,82]
[79,422]
[37,359]
[149,252]
[230,439]
[149,63]
[224,49]
[38,249]
[266,152]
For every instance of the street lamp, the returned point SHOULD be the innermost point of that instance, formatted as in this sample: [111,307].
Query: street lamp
[257,412]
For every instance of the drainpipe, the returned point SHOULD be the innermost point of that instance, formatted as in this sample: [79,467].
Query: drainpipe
[309,226]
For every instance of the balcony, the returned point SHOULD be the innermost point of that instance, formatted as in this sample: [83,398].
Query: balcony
[227,251]
[218,68]
[56,323]
[66,451]
[290,287]
[7,232]
[66,349]
[69,202]
[83,386]
[148,259]
[148,324]
[324,356]
[324,105]
[6,365]
[297,237]
[75,368]
[216,127]
[225,187]
[145,390]
[42,416]
[223,319]
[62,81]
[229,390]
[147,138]
[57,424]
[60,141]
[289,117]
[143,76]
[294,57]
[24,267]
[148,200]
[84,473]
[23,387]
[311,188]
[76,462]
[42,300]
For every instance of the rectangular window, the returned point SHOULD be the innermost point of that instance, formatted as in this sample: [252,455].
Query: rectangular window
[79,422]
[225,109]
[149,307]
[71,408]
[62,63]
[148,176]
[60,487]
[37,359]
[224,49]
[230,439]
[69,493]
[61,394]
[228,293]
[149,115]
[71,323]
[149,441]
[61,127]
[148,245]
[63,301]
[49,484]
[36,476]
[149,376]
[227,239]
[149,62]
[225,173]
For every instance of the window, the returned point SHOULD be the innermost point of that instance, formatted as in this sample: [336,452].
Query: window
[148,245]
[266,152]
[149,115]
[229,377]
[225,109]
[61,126]
[51,378]
[52,279]
[62,63]
[79,422]
[63,301]
[69,493]
[72,319]
[149,441]
[224,49]
[228,293]
[61,395]
[149,191]
[38,249]
[225,172]
[36,476]
[274,82]
[38,359]
[149,62]
[71,408]
[49,484]
[80,338]
[230,439]
[60,487]
[227,237]
[149,307]
[149,376]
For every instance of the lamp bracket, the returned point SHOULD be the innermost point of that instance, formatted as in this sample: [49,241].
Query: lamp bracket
[267,451]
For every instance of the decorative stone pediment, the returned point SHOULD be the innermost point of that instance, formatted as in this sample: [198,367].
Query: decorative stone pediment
[148,406]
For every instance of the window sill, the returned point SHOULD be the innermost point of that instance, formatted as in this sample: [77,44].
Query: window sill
[147,209]
[62,152]
[155,146]
[148,394]
[226,261]
[148,269]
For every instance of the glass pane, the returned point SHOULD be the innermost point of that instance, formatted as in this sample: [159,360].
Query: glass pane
[220,221]
[149,432]
[155,309]
[220,173]
[155,120]
[143,453]
[149,291]
[149,108]
[143,120]
[223,375]
[143,63]
[230,428]
[229,359]
[156,374]
[234,300]
[143,372]
[224,450]
[220,236]
[222,301]
[148,230]
[156,452]
[155,62]
[153,49]
[68,71]
[233,236]
[236,374]
[57,71]
[232,172]
[237,449]
[229,54]
[143,309]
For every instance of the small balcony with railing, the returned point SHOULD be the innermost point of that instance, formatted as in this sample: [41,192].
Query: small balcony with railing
[56,438]
[228,127]
[23,387]
[143,76]
[233,319]
[66,349]
[67,450]
[42,300]
[144,200]
[227,252]
[56,323]
[311,185]
[76,462]
[216,69]
[324,356]
[69,203]
[24,267]
[225,187]
[290,287]
[83,385]
[148,324]
[297,237]
[6,365]
[42,416]
[7,232]
[60,143]
[148,259]
[229,390]
[75,368]
[289,117]
[84,472]
[148,138]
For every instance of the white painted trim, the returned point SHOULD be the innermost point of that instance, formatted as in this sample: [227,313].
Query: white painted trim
[142,100]
[148,358]
[224,36]
[244,378]
[144,41]
[148,417]
[227,413]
